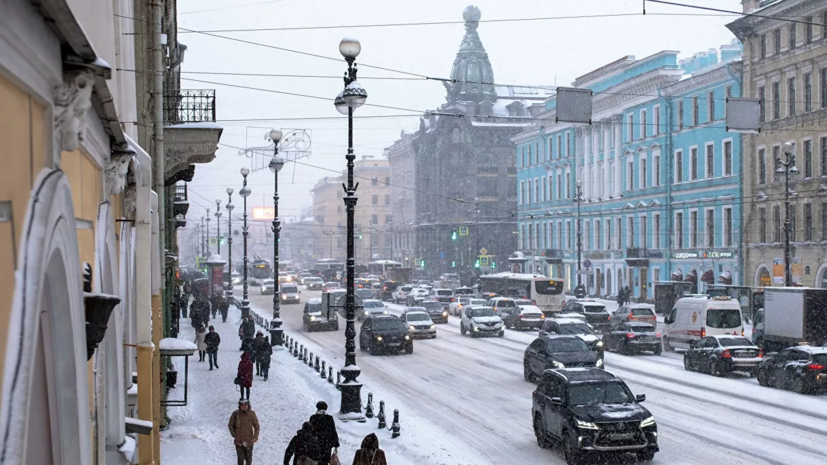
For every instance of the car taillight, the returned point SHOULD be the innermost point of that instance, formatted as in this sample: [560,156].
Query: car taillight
[630,335]
[657,335]
[522,316]
[726,354]
[633,318]
[610,318]
[760,353]
[815,367]
[742,332]
[703,332]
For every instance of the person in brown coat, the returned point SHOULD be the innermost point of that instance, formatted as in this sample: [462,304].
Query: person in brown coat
[244,429]
[370,453]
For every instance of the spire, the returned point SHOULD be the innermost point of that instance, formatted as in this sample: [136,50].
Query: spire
[472,71]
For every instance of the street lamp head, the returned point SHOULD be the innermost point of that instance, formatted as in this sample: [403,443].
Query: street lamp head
[230,207]
[244,192]
[579,183]
[217,204]
[218,214]
[340,103]
[245,171]
[276,164]
[355,95]
[792,170]
[230,191]
[350,48]
[179,217]
[789,147]
[275,135]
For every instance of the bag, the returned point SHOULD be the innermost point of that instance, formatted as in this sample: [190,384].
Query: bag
[334,459]
[237,380]
[305,460]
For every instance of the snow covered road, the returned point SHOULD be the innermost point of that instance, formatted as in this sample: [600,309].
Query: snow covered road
[473,389]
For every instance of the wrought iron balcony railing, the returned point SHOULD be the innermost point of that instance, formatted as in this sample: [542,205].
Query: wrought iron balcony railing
[189,106]
[180,193]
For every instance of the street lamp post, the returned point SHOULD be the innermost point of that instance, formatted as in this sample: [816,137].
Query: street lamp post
[353,96]
[208,232]
[218,225]
[276,164]
[203,239]
[230,208]
[578,198]
[787,167]
[244,193]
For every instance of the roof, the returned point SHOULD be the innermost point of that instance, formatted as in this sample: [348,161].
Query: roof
[568,321]
[811,349]
[579,375]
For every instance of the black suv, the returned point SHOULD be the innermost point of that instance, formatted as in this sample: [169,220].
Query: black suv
[589,410]
[435,310]
[385,333]
[557,352]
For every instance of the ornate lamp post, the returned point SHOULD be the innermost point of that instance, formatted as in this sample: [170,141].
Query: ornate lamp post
[218,225]
[203,240]
[578,198]
[244,193]
[352,97]
[276,164]
[787,168]
[230,208]
[208,232]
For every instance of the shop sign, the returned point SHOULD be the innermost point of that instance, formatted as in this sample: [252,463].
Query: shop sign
[684,255]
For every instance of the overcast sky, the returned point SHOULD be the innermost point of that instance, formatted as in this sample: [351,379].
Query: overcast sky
[528,52]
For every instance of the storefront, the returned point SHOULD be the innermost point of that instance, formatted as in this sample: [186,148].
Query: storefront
[706,267]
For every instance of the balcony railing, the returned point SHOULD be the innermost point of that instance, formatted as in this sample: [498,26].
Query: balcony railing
[180,193]
[189,106]
[639,252]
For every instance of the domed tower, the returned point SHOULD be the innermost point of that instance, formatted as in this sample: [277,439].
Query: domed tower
[472,72]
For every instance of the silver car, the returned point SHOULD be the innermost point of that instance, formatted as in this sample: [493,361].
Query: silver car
[419,322]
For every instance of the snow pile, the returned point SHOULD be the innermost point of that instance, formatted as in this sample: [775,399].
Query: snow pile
[128,448]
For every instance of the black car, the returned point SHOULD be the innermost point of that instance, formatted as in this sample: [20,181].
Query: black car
[385,333]
[719,355]
[435,310]
[801,368]
[633,337]
[590,411]
[595,312]
[314,318]
[557,352]
[573,327]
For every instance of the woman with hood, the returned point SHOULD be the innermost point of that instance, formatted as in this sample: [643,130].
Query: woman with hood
[202,345]
[370,453]
[244,378]
[303,448]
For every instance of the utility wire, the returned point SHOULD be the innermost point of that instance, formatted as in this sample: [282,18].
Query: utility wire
[228,7]
[731,12]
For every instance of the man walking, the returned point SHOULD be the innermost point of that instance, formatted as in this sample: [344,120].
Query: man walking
[325,429]
[263,353]
[247,330]
[244,429]
[259,349]
[212,339]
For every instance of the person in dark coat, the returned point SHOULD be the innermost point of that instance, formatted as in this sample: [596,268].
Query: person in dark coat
[263,353]
[259,348]
[304,445]
[370,453]
[247,331]
[244,376]
[212,339]
[224,307]
[628,293]
[325,429]
[214,304]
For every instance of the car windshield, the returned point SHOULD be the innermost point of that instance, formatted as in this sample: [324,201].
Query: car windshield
[480,312]
[734,341]
[406,288]
[575,329]
[820,359]
[388,324]
[418,317]
[566,345]
[592,308]
[478,302]
[267,282]
[331,285]
[506,304]
[444,292]
[723,318]
[642,312]
[642,328]
[432,305]
[373,304]
[313,308]
[289,289]
[611,392]
[523,302]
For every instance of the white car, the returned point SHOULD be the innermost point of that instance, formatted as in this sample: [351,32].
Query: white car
[268,287]
[401,294]
[455,308]
[417,293]
[372,307]
[481,321]
[419,322]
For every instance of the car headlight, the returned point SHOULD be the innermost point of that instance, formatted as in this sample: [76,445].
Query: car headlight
[312,318]
[647,422]
[588,424]
[599,344]
[433,326]
[385,312]
[599,363]
[413,327]
[378,338]
[407,337]
[558,365]
[444,313]
[367,313]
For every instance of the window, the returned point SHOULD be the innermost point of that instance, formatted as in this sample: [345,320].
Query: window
[679,229]
[387,200]
[824,88]
[543,192]
[762,225]
[793,30]
[710,102]
[374,199]
[656,169]
[678,165]
[644,230]
[695,120]
[643,124]
[374,219]
[522,157]
[776,155]
[568,234]
[777,40]
[710,161]
[808,92]
[374,181]
[808,159]
[536,153]
[536,190]
[568,143]
[762,166]
[776,100]
[643,174]
[559,186]
[808,222]
[630,121]
[824,156]
[762,48]
[693,164]
[693,229]
[522,193]
[656,230]
[630,175]
[808,34]
[791,96]
[630,231]
[762,102]
[776,212]
[679,111]
[560,150]
[388,219]
[824,221]
[656,119]
[710,228]
[588,228]
[598,230]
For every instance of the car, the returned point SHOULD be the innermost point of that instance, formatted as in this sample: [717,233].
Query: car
[376,290]
[444,296]
[236,278]
[464,292]
[595,312]
[720,355]
[268,287]
[437,313]
[302,277]
[694,318]
[481,321]
[371,307]
[574,327]
[801,368]
[633,337]
[504,306]
[329,286]
[570,316]
[549,352]
[419,322]
[313,318]
[364,293]
[313,284]
[285,277]
[591,411]
[290,293]
[415,295]
[526,317]
[456,307]
[385,333]
[633,312]
[401,294]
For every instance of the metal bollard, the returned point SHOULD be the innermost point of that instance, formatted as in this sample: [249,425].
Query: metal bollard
[330,374]
[369,408]
[381,415]
[338,379]
[310,360]
[316,365]
[395,426]
[323,371]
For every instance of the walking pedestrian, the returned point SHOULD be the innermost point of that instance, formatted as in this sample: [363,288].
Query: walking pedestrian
[247,330]
[224,306]
[202,345]
[214,304]
[244,429]
[258,349]
[303,448]
[325,429]
[370,453]
[212,339]
[244,376]
[263,354]
[628,293]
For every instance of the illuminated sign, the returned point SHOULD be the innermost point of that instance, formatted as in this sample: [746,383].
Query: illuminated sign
[263,213]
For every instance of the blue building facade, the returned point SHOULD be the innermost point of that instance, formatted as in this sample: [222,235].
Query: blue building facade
[658,175]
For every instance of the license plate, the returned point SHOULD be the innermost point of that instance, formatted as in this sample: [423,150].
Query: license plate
[621,436]
[395,344]
[644,339]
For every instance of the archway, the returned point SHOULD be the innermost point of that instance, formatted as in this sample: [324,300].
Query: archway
[762,276]
[821,276]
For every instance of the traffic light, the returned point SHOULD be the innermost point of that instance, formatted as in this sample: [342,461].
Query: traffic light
[453,264]
[477,264]
[494,265]
[360,236]
[454,235]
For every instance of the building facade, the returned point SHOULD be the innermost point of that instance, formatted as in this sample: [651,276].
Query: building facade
[785,65]
[402,160]
[374,214]
[329,218]
[657,152]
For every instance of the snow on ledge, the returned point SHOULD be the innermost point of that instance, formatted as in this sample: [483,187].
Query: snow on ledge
[138,422]
[180,346]
[128,448]
[200,125]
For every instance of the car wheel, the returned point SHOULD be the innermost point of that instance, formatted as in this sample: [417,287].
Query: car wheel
[713,368]
[799,386]
[646,455]
[622,349]
[539,433]
[462,328]
[409,349]
[502,333]
[687,364]
[658,351]
[762,378]
[666,345]
[570,450]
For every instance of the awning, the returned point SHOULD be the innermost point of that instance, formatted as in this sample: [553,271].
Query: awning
[677,275]
[725,278]
[708,277]
[692,277]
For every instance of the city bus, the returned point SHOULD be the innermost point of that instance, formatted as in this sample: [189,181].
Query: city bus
[259,270]
[380,267]
[547,293]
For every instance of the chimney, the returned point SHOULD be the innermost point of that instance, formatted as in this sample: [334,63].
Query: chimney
[749,5]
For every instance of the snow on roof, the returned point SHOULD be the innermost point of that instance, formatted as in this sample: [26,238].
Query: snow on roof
[198,125]
[500,125]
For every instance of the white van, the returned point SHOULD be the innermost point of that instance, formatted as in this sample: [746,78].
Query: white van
[694,318]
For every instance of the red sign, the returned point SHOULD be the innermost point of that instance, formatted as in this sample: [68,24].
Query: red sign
[217,279]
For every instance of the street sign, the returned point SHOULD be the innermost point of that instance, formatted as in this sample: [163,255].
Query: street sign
[213,241]
[442,255]
[483,251]
[484,260]
[463,230]
[587,263]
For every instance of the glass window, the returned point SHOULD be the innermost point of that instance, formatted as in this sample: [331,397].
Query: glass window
[612,392]
[763,46]
[710,161]
[808,158]
[710,228]
[776,100]
[630,121]
[727,158]
[762,104]
[762,226]
[723,318]
[793,227]
[374,181]
[777,40]
[656,230]
[776,212]
[693,164]
[776,156]
[808,34]
[695,120]
[762,166]
[728,227]
[824,156]
[791,96]
[655,119]
[793,31]
[808,92]
[808,222]
[824,88]
[734,341]
[642,124]
[824,221]
[693,229]
[374,199]
[710,103]
[678,166]
[679,229]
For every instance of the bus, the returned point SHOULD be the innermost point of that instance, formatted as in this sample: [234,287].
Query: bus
[547,293]
[380,267]
[259,271]
[330,264]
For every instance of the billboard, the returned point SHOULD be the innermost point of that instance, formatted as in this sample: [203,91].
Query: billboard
[263,213]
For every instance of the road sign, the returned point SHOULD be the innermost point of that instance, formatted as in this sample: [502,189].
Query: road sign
[463,230]
[483,251]
[587,263]
[213,241]
[484,260]
[442,255]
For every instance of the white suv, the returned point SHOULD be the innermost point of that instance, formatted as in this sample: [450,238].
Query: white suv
[401,293]
[455,308]
[481,321]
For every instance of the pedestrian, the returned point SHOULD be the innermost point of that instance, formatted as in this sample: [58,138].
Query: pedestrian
[202,345]
[370,453]
[628,293]
[259,347]
[214,304]
[244,376]
[212,339]
[244,429]
[303,448]
[325,429]
[263,354]
[247,330]
[621,297]
[224,306]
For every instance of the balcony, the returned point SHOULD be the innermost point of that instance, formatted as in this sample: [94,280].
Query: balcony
[180,204]
[554,256]
[190,133]
[639,256]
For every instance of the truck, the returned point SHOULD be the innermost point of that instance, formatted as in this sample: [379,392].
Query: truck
[791,315]
[400,275]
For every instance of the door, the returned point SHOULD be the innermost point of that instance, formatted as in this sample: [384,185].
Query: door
[644,282]
[536,357]
[776,369]
[554,412]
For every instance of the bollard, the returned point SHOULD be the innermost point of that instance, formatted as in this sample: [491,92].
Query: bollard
[369,408]
[323,371]
[310,360]
[395,426]
[330,375]
[338,379]
[316,365]
[302,351]
[381,415]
